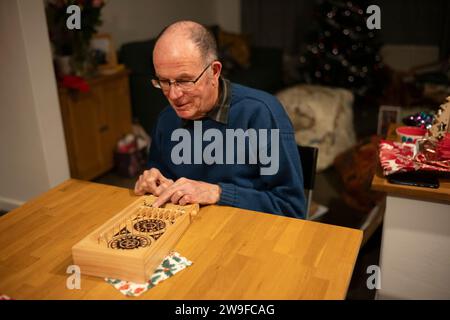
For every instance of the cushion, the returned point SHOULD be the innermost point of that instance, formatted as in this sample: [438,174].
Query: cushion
[356,168]
[322,117]
[235,47]
[137,56]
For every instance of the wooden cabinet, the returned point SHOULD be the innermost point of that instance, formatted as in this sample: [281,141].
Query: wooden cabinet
[93,122]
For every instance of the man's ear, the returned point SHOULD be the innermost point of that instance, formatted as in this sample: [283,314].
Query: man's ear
[216,67]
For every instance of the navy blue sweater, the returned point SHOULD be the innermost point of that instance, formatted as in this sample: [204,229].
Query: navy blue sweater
[242,185]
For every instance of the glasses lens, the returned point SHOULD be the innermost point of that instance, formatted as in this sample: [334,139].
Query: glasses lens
[185,85]
[164,84]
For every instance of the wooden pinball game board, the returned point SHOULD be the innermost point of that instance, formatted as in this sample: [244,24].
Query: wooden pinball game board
[132,244]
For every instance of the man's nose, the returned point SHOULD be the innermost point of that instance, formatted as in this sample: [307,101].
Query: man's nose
[174,92]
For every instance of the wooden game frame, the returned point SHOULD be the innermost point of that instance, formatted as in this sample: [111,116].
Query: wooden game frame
[95,257]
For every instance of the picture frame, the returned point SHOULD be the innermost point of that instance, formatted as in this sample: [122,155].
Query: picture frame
[386,116]
[104,51]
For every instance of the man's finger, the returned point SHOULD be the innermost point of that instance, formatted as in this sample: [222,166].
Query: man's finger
[138,191]
[186,199]
[160,189]
[138,186]
[151,183]
[138,181]
[164,179]
[177,195]
[152,177]
[166,195]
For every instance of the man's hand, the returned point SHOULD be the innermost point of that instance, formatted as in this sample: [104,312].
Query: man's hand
[185,191]
[152,181]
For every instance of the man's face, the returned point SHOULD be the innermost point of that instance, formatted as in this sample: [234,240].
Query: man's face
[181,60]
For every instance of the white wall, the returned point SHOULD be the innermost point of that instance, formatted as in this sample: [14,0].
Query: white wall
[228,14]
[143,19]
[33,152]
[405,57]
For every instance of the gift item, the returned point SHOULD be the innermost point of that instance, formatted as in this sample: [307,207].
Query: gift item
[410,134]
[421,119]
[441,121]
[443,148]
[419,151]
[404,157]
[171,265]
[428,148]
[130,156]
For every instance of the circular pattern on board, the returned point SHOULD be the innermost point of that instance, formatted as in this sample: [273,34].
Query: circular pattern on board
[128,242]
[150,226]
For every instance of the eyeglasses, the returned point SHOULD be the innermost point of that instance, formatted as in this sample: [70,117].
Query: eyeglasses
[184,85]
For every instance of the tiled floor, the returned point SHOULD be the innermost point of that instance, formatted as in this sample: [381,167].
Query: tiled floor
[326,193]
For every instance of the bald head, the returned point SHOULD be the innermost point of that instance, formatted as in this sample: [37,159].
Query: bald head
[196,34]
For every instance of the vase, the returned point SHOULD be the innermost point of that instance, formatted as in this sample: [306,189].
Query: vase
[83,61]
[83,65]
[63,65]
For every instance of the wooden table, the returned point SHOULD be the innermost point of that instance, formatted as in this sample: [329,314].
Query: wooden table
[237,254]
[415,254]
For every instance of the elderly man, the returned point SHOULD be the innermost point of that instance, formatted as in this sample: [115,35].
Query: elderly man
[212,145]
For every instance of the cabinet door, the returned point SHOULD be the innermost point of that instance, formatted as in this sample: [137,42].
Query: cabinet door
[115,114]
[80,113]
[122,109]
[94,122]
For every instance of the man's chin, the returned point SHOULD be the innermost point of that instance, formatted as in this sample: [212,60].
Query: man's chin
[184,113]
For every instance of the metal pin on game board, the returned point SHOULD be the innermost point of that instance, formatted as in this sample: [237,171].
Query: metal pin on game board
[131,226]
[151,213]
[100,237]
[138,222]
[125,229]
[120,229]
[130,221]
[105,238]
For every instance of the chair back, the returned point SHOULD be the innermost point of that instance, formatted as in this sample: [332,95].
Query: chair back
[308,158]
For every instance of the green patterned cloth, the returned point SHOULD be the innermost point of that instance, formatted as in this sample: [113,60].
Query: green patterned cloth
[172,264]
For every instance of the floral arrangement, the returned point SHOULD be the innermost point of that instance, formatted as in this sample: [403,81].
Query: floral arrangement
[75,83]
[74,43]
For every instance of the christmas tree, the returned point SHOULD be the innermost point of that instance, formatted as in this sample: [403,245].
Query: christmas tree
[340,50]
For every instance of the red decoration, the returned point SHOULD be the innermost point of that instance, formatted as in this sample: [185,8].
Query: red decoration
[403,157]
[443,147]
[75,83]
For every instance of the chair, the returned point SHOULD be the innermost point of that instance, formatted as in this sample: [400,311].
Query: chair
[308,157]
